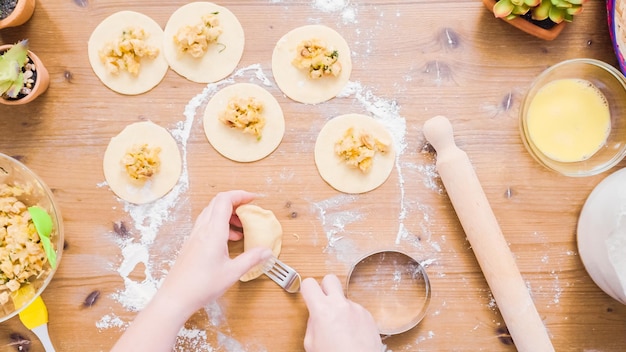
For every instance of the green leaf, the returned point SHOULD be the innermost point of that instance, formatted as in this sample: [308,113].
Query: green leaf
[557,15]
[503,8]
[9,71]
[563,4]
[542,11]
[4,86]
[568,17]
[18,53]
[574,10]
[16,86]
[520,10]
[11,63]
[532,3]
[8,77]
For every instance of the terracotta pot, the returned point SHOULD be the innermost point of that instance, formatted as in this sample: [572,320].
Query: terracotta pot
[528,27]
[22,13]
[41,84]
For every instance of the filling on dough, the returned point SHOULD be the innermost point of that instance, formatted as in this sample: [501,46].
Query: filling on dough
[126,52]
[320,61]
[142,161]
[244,114]
[195,40]
[357,149]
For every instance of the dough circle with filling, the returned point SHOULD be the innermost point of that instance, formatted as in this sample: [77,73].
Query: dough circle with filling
[336,172]
[260,229]
[221,58]
[151,71]
[161,182]
[293,81]
[232,142]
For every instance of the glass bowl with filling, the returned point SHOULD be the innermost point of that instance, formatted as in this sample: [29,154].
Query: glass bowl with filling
[572,118]
[26,268]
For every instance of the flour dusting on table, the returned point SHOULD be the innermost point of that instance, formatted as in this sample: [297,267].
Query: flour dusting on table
[192,339]
[111,321]
[347,9]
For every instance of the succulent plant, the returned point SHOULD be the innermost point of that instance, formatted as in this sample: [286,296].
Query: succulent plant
[12,62]
[555,10]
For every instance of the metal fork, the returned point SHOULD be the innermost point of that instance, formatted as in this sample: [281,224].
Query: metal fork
[282,274]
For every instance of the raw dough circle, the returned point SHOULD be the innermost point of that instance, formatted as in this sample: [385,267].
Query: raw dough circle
[220,60]
[293,81]
[336,172]
[601,235]
[161,182]
[233,143]
[151,71]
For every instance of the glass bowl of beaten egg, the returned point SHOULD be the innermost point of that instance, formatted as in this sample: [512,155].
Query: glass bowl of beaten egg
[573,118]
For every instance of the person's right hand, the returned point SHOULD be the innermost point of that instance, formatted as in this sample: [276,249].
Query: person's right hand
[337,324]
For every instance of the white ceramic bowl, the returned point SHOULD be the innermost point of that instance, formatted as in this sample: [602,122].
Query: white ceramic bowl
[601,235]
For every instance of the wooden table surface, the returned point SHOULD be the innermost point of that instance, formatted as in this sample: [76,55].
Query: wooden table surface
[412,60]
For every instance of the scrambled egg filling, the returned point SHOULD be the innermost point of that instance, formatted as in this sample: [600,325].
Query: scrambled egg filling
[21,253]
[314,56]
[141,161]
[126,52]
[357,149]
[244,114]
[195,40]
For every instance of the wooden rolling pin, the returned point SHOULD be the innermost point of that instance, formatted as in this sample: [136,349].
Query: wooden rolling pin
[485,236]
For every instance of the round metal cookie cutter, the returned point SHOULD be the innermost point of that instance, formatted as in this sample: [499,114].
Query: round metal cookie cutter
[393,287]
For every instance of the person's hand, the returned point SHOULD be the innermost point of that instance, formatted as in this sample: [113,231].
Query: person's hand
[204,270]
[337,324]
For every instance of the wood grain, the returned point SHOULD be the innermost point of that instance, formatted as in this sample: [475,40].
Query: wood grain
[430,58]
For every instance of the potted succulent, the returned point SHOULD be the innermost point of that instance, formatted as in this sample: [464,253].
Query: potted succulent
[15,12]
[544,19]
[23,76]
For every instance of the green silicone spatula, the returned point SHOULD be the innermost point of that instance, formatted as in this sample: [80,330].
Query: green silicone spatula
[43,224]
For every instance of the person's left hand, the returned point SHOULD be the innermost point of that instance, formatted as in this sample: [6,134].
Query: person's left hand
[204,269]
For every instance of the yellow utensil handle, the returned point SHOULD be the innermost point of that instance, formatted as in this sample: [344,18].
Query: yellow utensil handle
[35,314]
